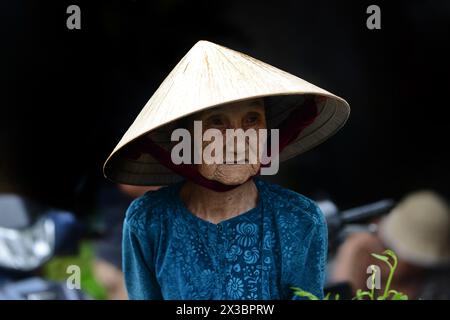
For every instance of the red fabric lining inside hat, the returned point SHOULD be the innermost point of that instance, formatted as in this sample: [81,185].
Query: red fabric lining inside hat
[290,128]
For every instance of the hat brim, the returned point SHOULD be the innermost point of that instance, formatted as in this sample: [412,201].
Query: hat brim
[333,112]
[409,251]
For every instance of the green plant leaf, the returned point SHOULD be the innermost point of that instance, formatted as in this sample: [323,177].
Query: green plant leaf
[390,253]
[55,269]
[380,257]
[392,291]
[388,294]
[304,294]
[397,295]
[393,256]
[361,294]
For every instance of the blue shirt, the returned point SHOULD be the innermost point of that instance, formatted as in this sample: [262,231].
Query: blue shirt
[169,253]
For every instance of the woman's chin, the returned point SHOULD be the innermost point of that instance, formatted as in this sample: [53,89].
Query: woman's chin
[231,182]
[234,174]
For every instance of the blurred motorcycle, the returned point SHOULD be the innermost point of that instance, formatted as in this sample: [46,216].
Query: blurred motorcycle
[30,235]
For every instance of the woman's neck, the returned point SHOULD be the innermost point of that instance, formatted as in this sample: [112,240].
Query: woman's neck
[216,206]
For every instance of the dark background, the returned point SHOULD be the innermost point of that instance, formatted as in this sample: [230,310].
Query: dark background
[67,96]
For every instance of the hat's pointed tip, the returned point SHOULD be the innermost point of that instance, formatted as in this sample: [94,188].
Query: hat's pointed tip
[205,43]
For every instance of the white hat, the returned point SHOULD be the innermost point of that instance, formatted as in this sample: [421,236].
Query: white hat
[418,229]
[210,75]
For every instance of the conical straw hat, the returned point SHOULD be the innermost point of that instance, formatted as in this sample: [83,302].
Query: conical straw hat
[210,75]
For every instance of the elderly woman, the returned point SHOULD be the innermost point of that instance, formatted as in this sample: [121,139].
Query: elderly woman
[217,231]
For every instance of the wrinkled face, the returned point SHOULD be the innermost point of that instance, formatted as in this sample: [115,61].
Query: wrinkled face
[240,115]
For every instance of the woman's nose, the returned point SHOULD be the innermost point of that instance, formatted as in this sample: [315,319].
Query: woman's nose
[235,124]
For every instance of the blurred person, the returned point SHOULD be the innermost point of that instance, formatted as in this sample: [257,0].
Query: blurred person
[418,231]
[107,267]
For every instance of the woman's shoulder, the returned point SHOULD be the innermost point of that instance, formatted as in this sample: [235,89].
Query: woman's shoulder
[286,203]
[149,208]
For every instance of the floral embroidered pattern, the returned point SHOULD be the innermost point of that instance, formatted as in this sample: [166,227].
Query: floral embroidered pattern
[246,234]
[267,242]
[251,256]
[234,252]
[235,288]
[168,253]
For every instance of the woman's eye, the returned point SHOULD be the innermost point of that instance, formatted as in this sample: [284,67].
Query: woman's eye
[216,121]
[251,119]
